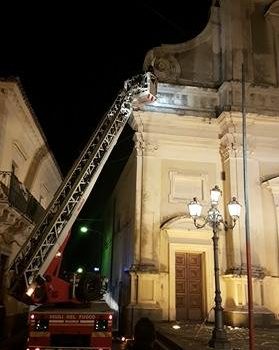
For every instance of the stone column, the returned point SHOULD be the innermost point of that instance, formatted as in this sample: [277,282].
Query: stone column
[273,186]
[145,270]
[148,188]
[232,168]
[232,157]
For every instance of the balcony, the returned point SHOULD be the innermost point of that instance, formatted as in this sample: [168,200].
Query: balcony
[14,194]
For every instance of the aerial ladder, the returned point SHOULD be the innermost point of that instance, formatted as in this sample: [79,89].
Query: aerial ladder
[33,259]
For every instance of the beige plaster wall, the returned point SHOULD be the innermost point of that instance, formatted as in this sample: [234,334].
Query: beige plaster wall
[119,227]
[23,142]
[271,290]
[193,153]
[184,156]
[270,233]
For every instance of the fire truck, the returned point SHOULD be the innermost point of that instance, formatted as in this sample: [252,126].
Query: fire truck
[71,313]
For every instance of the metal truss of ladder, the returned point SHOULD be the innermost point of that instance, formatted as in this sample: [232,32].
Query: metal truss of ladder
[46,238]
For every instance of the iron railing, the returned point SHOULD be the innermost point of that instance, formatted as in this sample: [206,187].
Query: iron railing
[12,190]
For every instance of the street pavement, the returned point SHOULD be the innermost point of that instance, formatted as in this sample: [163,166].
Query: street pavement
[17,342]
[188,336]
[196,336]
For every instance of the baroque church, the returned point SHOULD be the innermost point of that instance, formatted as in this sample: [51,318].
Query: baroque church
[185,143]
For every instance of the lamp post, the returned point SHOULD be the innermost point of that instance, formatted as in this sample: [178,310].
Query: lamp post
[219,338]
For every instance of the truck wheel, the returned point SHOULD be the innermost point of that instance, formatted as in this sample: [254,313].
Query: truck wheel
[89,287]
[40,295]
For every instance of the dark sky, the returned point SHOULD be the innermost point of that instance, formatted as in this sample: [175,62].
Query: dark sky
[72,58]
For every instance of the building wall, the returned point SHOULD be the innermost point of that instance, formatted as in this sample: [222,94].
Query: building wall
[26,158]
[185,157]
[237,31]
[175,170]
[119,242]
[24,144]
[190,140]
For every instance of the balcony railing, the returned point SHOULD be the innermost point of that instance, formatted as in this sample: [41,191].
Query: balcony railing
[19,197]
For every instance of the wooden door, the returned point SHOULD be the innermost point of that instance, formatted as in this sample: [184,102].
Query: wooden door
[189,286]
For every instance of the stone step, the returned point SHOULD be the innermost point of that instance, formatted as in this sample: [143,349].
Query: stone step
[238,317]
[166,343]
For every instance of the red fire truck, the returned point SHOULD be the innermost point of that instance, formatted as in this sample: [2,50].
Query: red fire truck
[65,317]
[69,313]
[85,326]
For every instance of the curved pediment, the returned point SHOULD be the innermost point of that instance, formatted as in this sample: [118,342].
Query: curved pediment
[191,62]
[237,32]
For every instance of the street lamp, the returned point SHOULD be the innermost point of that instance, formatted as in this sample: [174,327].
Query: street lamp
[219,338]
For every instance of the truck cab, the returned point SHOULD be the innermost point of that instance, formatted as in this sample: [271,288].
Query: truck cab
[86,326]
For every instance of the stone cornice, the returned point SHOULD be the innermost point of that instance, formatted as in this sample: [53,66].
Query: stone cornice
[185,100]
[233,120]
[241,270]
[210,102]
[259,99]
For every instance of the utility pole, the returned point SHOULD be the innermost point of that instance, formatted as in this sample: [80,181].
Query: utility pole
[247,224]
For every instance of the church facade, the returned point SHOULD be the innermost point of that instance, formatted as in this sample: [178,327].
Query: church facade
[187,142]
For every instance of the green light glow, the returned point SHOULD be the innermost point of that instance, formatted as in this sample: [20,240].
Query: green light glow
[84,229]
[80,270]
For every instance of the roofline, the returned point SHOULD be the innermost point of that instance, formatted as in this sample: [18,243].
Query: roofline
[17,81]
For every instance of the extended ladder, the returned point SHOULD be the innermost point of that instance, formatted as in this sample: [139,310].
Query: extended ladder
[43,243]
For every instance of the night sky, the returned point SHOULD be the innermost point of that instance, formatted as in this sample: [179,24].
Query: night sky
[73,57]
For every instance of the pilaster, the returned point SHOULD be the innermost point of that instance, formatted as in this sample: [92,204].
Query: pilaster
[148,200]
[232,157]
[273,186]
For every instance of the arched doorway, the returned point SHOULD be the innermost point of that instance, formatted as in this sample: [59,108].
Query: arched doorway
[190,262]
